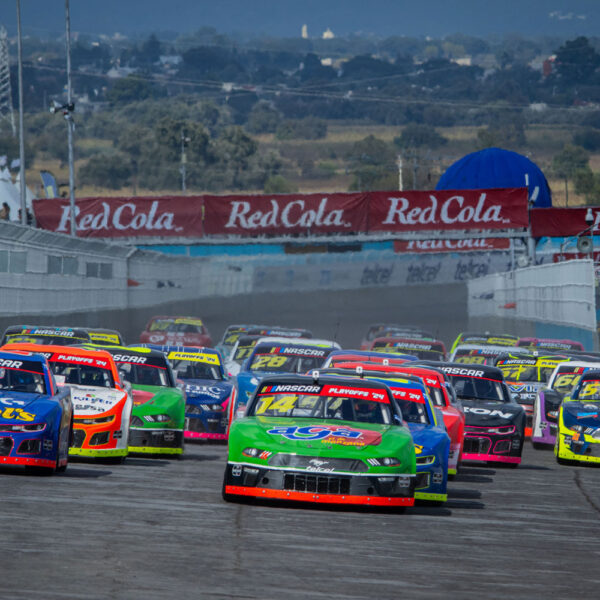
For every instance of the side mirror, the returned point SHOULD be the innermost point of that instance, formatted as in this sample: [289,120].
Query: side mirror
[60,380]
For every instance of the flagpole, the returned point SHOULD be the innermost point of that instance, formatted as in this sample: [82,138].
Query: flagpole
[69,118]
[22,184]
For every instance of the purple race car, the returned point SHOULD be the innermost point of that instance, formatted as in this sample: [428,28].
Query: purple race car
[548,400]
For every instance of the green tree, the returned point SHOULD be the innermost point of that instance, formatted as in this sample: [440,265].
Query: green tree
[416,135]
[277,184]
[129,89]
[588,139]
[567,162]
[106,170]
[372,164]
[576,60]
[263,118]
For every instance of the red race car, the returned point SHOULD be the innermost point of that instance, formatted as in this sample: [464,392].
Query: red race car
[176,331]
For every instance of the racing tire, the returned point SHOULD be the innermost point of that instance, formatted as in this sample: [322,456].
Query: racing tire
[564,461]
[114,460]
[40,471]
[539,446]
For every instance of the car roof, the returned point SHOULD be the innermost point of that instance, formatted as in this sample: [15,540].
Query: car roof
[462,369]
[298,342]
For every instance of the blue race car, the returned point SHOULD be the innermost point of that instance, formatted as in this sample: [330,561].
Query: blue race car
[207,390]
[36,416]
[276,356]
[426,425]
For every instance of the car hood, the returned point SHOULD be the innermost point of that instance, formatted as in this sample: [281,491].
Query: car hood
[489,414]
[92,400]
[20,399]
[152,395]
[581,413]
[320,437]
[207,390]
[426,438]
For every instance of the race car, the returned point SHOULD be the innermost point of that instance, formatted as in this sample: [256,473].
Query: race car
[330,440]
[578,438]
[158,413]
[393,358]
[176,331]
[525,375]
[279,355]
[389,329]
[432,443]
[549,344]
[45,334]
[473,354]
[548,400]
[36,416]
[494,421]
[230,337]
[245,343]
[101,405]
[485,339]
[423,349]
[208,393]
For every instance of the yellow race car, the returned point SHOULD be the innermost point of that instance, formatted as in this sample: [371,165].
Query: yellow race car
[578,438]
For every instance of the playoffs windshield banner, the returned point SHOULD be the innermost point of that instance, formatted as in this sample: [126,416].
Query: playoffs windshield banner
[123,217]
[285,214]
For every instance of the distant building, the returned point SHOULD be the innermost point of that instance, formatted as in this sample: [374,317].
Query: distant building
[328,34]
[304,32]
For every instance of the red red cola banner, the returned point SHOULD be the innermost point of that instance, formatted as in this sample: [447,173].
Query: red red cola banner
[286,213]
[281,214]
[123,217]
[562,222]
[464,245]
[464,209]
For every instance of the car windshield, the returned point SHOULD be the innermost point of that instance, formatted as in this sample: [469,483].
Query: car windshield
[413,412]
[55,340]
[421,353]
[590,391]
[83,374]
[174,327]
[566,380]
[321,407]
[138,374]
[243,352]
[473,388]
[516,372]
[188,369]
[22,381]
[274,363]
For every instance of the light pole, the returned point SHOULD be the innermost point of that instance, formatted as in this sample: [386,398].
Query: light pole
[184,142]
[22,186]
[69,119]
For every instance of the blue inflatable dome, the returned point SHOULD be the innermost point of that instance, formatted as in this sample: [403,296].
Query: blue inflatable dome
[497,168]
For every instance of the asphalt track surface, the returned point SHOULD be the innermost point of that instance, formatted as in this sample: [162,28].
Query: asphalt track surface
[154,528]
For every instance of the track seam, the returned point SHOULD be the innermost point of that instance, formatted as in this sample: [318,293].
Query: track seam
[579,484]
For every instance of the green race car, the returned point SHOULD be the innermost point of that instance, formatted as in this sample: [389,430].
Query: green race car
[323,439]
[158,414]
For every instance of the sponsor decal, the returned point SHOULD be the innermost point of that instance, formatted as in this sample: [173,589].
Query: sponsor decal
[12,402]
[211,359]
[85,360]
[518,361]
[463,371]
[60,332]
[319,466]
[300,351]
[10,364]
[300,389]
[203,390]
[485,411]
[329,434]
[19,414]
[129,358]
[104,337]
[364,393]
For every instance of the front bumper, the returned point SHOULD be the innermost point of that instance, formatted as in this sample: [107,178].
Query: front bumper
[10,444]
[97,442]
[155,441]
[431,484]
[208,426]
[481,446]
[243,479]
[586,450]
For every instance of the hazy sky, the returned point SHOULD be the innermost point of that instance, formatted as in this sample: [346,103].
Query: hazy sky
[285,17]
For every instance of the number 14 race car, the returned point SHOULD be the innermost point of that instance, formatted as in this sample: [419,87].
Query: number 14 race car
[321,439]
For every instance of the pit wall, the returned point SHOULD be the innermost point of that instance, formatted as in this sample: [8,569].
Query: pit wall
[554,300]
[55,279]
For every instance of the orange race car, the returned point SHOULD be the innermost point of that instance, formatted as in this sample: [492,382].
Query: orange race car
[101,405]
